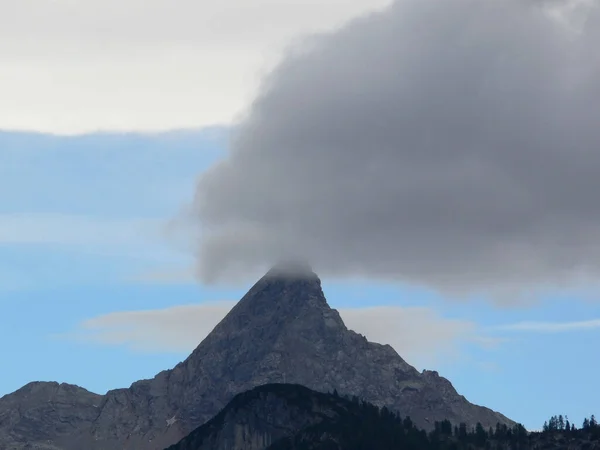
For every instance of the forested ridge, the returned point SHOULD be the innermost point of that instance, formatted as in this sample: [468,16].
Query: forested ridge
[329,421]
[363,426]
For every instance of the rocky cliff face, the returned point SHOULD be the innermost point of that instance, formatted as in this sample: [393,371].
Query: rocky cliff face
[258,418]
[282,330]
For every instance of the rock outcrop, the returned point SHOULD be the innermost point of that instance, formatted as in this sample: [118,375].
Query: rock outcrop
[281,331]
[256,419]
[46,416]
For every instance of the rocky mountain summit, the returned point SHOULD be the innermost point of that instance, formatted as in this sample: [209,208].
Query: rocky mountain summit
[281,331]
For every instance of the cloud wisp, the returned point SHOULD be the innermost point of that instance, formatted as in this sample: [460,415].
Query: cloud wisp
[551,327]
[76,230]
[419,334]
[448,143]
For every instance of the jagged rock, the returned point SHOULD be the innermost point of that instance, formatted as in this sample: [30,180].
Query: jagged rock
[282,331]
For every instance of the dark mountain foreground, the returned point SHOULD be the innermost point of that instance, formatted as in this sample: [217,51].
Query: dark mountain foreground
[282,330]
[292,417]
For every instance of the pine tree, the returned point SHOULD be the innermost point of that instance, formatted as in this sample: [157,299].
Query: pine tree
[480,434]
[462,431]
[446,427]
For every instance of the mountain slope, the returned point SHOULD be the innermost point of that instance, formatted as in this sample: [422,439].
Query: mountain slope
[292,417]
[282,330]
[46,413]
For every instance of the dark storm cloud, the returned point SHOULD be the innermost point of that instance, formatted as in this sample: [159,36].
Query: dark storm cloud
[450,143]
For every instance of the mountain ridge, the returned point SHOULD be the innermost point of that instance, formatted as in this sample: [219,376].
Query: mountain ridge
[282,330]
[293,417]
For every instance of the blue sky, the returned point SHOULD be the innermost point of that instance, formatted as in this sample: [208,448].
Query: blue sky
[83,239]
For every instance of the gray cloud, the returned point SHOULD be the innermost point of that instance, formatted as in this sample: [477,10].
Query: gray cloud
[448,143]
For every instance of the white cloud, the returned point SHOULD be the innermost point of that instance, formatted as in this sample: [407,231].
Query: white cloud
[551,327]
[419,335]
[75,66]
[175,329]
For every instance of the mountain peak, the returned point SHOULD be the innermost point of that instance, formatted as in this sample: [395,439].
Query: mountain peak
[281,331]
[289,292]
[289,287]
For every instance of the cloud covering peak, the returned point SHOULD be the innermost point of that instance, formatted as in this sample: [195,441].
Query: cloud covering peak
[449,143]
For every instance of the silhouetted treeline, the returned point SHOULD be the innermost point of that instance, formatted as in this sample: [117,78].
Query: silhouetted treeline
[344,423]
[561,423]
[363,426]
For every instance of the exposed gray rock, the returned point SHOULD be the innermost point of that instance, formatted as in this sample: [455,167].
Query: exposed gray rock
[282,330]
[256,419]
[46,415]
